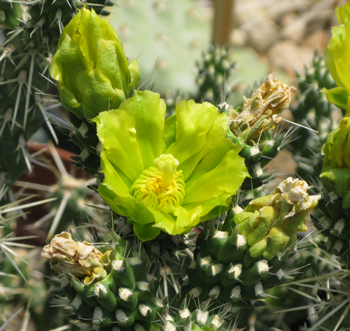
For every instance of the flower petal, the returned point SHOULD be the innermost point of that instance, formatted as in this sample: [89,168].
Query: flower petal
[182,221]
[169,131]
[116,130]
[225,178]
[146,232]
[212,208]
[213,138]
[148,111]
[194,121]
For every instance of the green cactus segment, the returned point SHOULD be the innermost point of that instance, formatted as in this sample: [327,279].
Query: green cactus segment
[214,70]
[271,222]
[31,38]
[314,111]
[108,288]
[240,259]
[10,13]
[250,128]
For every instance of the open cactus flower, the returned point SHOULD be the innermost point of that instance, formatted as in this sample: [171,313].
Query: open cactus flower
[167,175]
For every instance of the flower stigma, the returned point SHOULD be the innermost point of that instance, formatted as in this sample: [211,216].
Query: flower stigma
[161,186]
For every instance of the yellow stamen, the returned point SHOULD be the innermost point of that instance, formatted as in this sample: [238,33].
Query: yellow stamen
[160,187]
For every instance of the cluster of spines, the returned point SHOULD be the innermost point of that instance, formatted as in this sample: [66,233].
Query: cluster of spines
[132,298]
[317,114]
[224,270]
[213,73]
[333,222]
[259,155]
[25,51]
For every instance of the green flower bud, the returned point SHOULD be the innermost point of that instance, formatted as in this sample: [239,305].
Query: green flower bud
[76,258]
[90,66]
[337,147]
[270,223]
[260,111]
[336,166]
[337,58]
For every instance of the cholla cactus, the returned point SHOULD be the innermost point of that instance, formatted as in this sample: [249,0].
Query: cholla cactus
[214,71]
[244,256]
[30,40]
[181,257]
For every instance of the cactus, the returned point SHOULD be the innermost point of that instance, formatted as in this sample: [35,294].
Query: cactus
[214,71]
[242,257]
[30,40]
[115,286]
[178,252]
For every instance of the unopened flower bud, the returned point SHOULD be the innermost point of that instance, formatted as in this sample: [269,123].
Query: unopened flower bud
[90,67]
[335,174]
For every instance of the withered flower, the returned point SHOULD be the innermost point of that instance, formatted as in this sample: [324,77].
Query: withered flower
[260,112]
[76,258]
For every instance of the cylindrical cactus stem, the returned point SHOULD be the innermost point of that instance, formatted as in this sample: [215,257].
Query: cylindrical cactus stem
[110,287]
[244,256]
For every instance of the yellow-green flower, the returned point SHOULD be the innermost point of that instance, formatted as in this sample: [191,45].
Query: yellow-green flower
[90,67]
[337,56]
[168,174]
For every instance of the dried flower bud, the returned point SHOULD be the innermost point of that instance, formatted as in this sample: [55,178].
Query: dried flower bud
[76,258]
[260,111]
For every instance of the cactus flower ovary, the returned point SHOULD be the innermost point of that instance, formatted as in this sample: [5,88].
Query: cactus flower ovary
[167,175]
[271,222]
